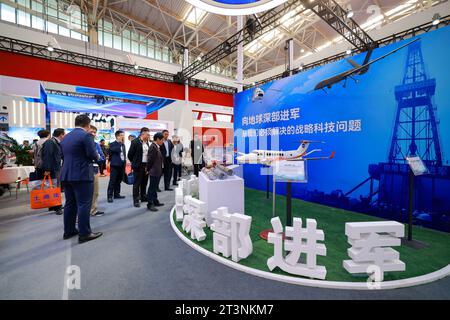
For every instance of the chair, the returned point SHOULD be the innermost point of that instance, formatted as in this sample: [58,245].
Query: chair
[18,182]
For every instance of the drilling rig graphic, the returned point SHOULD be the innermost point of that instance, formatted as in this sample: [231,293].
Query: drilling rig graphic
[415,133]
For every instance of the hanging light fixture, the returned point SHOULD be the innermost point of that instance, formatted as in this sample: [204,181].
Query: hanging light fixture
[350,13]
[136,66]
[349,51]
[436,19]
[50,47]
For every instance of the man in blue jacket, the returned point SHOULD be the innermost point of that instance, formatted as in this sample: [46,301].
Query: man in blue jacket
[52,160]
[77,177]
[117,162]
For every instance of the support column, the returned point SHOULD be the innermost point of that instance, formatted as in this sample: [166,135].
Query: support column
[290,48]
[93,33]
[240,55]
[184,127]
[186,83]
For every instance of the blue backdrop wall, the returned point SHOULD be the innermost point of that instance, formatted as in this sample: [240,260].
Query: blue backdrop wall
[357,121]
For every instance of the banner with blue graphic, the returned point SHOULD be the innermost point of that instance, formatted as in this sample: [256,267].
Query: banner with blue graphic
[372,119]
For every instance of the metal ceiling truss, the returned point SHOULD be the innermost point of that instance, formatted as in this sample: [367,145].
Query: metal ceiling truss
[305,36]
[265,23]
[328,10]
[336,17]
[409,33]
[35,50]
[120,20]
[165,38]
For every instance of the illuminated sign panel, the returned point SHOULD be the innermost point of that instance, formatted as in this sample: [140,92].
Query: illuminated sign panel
[235,7]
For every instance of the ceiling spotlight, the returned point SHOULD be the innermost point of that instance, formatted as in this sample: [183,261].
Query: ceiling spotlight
[199,58]
[436,19]
[302,50]
[227,47]
[206,81]
[349,51]
[350,13]
[136,66]
[50,47]
[301,66]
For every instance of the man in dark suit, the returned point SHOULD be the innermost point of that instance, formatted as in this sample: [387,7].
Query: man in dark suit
[117,162]
[52,160]
[138,155]
[197,150]
[154,170]
[102,163]
[77,177]
[166,152]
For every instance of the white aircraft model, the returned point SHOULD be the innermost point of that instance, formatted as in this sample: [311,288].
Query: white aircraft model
[268,157]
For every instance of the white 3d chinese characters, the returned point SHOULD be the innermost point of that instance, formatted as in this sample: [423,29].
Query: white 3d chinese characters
[194,220]
[179,202]
[298,240]
[192,186]
[371,242]
[231,234]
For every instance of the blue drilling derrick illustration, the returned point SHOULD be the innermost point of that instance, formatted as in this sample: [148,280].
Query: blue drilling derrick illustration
[415,133]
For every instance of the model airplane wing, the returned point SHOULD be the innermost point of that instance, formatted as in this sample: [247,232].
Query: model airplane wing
[331,156]
[385,55]
[328,83]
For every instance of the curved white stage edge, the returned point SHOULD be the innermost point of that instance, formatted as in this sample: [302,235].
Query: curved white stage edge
[403,283]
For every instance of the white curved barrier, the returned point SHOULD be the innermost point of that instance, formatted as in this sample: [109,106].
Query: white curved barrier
[395,284]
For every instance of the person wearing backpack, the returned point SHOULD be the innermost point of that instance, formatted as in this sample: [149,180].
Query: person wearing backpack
[37,152]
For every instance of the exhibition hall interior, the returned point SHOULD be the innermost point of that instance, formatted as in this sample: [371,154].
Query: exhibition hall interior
[224,150]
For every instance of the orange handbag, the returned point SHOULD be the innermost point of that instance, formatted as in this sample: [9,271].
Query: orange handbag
[45,198]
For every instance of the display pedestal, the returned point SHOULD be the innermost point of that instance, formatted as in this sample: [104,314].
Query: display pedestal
[221,193]
[409,241]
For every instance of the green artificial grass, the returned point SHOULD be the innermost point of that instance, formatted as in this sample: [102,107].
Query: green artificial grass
[332,221]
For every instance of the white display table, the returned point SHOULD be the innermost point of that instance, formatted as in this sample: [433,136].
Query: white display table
[221,193]
[11,174]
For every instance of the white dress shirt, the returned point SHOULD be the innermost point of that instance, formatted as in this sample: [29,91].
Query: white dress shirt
[145,147]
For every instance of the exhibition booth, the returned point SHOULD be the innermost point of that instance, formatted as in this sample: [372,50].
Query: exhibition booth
[334,177]
[340,174]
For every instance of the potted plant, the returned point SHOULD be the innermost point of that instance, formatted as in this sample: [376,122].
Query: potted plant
[23,156]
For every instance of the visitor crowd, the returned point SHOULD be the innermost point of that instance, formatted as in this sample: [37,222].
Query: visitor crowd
[76,161]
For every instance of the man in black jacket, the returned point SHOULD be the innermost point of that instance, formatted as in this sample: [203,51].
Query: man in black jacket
[166,152]
[138,155]
[102,163]
[117,162]
[197,150]
[52,161]
[154,170]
